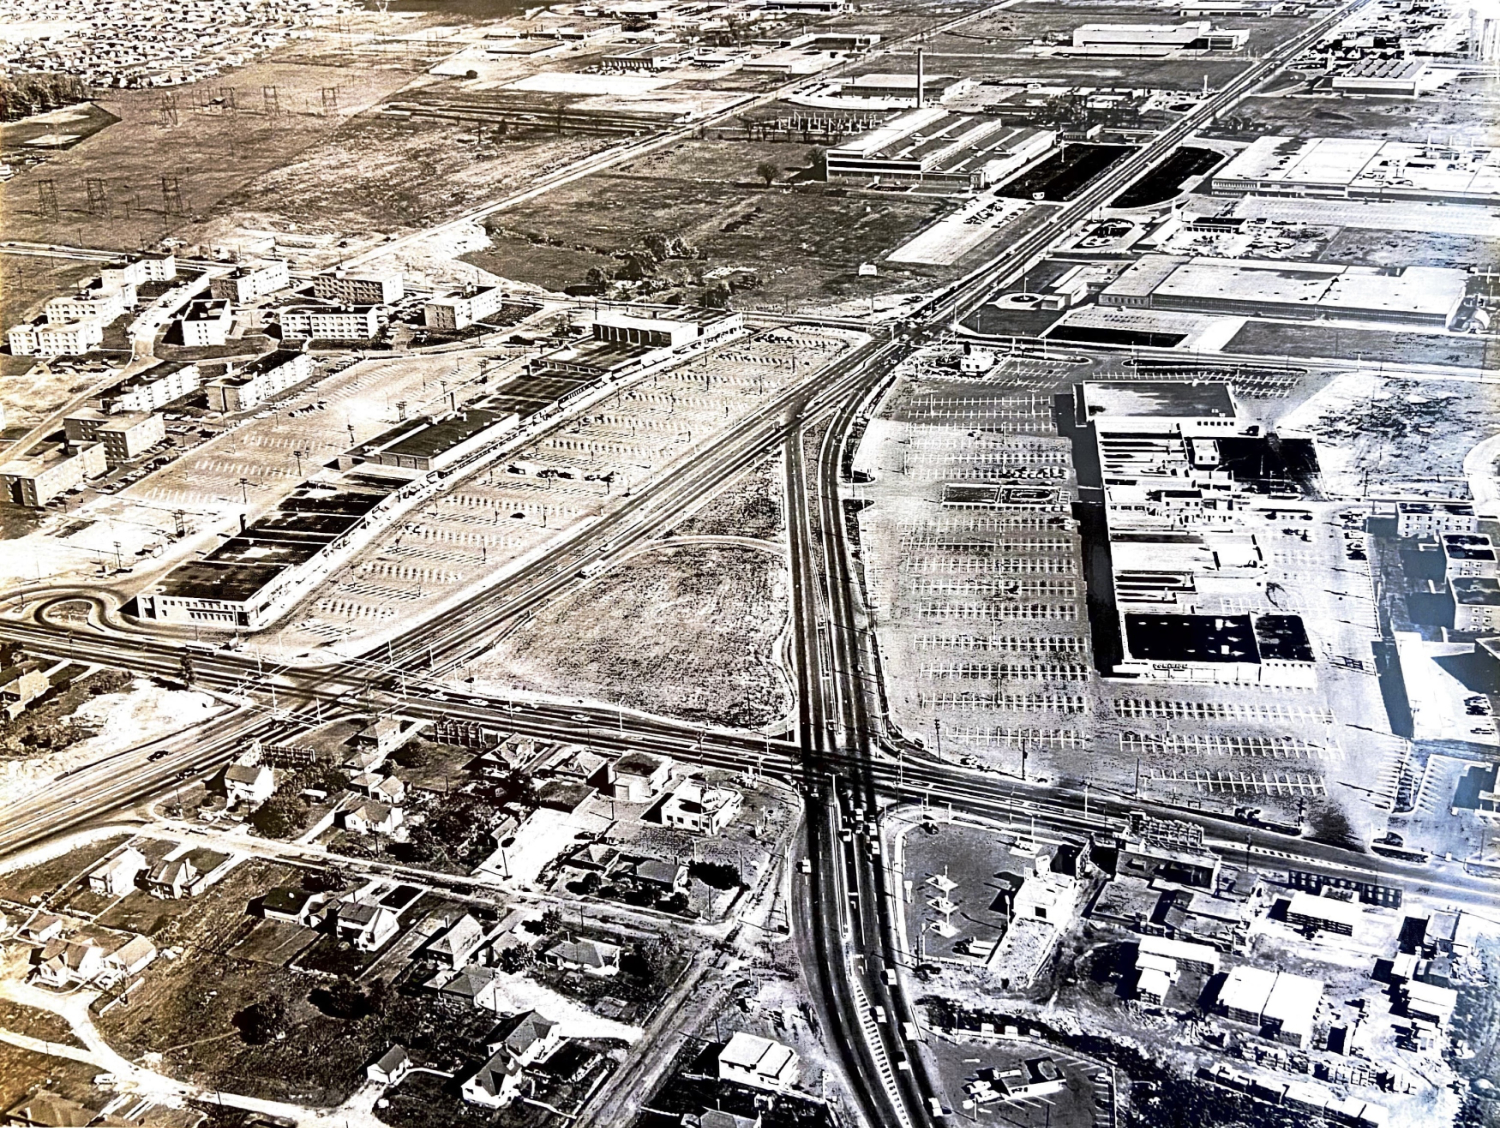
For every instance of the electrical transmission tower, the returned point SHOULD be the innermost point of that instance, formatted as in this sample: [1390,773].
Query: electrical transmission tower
[171,196]
[168,108]
[272,100]
[330,101]
[46,199]
[98,197]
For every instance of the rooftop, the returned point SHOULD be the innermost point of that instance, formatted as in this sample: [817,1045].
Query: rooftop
[1191,638]
[1170,400]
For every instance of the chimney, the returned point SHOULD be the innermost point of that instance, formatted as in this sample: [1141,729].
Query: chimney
[242,522]
[921,100]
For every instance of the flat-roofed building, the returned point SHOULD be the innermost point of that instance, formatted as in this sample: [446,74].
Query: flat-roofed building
[206,322]
[902,87]
[134,270]
[1153,40]
[104,303]
[153,389]
[252,281]
[1434,518]
[331,323]
[1199,958]
[125,437]
[435,442]
[49,470]
[1476,604]
[1150,407]
[462,308]
[662,329]
[1426,296]
[258,380]
[1291,1009]
[1469,554]
[1218,649]
[966,152]
[1404,74]
[1361,168]
[68,338]
[1324,914]
[348,288]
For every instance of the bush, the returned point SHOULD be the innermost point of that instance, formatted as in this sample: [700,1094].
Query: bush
[262,1022]
[716,875]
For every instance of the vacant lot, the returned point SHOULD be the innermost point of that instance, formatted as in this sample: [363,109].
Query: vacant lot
[27,281]
[691,632]
[801,243]
[747,506]
[46,878]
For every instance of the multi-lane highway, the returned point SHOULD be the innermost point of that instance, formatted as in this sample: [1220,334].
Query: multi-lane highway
[837,752]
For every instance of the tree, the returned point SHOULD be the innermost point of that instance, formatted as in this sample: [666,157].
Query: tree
[262,1022]
[817,162]
[767,171]
[344,999]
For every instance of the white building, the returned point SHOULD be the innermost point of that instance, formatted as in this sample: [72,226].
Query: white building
[251,282]
[98,302]
[206,321]
[258,380]
[47,471]
[462,308]
[1324,914]
[701,808]
[153,389]
[133,270]
[1154,40]
[250,784]
[759,1063]
[376,288]
[59,339]
[331,323]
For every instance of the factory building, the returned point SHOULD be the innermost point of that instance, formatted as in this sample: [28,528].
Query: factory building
[918,88]
[49,470]
[963,152]
[462,308]
[1402,76]
[1153,40]
[382,288]
[251,282]
[1424,296]
[1361,168]
[206,321]
[331,323]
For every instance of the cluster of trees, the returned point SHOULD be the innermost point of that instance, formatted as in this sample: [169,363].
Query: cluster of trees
[287,812]
[22,95]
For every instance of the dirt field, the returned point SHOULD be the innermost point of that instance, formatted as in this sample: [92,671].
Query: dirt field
[46,878]
[802,244]
[689,632]
[1401,119]
[749,506]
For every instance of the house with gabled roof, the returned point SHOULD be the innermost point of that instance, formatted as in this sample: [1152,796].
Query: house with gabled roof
[390,1067]
[366,925]
[66,963]
[475,985]
[527,1036]
[592,957]
[496,1084]
[457,944]
[116,876]
[250,784]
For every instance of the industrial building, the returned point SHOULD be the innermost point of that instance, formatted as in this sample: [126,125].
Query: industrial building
[919,89]
[206,321]
[462,308]
[256,381]
[1362,168]
[383,288]
[249,578]
[1403,75]
[1425,296]
[432,443]
[49,470]
[963,152]
[1281,1005]
[1153,40]
[251,282]
[125,437]
[331,323]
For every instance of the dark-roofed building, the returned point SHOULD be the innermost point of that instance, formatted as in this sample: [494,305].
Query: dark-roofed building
[527,1036]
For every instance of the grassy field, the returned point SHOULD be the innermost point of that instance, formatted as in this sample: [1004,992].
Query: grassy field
[212,154]
[748,506]
[46,878]
[689,632]
[27,281]
[802,244]
[1401,119]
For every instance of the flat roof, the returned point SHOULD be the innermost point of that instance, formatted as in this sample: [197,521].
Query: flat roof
[1198,399]
[206,579]
[443,434]
[1308,904]
[1476,591]
[1247,989]
[1366,165]
[1293,1002]
[1282,638]
[1190,638]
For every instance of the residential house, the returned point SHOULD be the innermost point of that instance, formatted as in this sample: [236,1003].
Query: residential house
[366,925]
[664,877]
[390,1067]
[371,817]
[384,789]
[293,906]
[475,985]
[116,876]
[42,928]
[133,956]
[528,1037]
[250,784]
[45,1109]
[175,879]
[596,857]
[65,963]
[759,1063]
[701,808]
[496,1084]
[592,957]
[457,944]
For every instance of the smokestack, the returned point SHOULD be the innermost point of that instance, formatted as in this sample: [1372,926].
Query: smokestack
[921,93]
[242,522]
